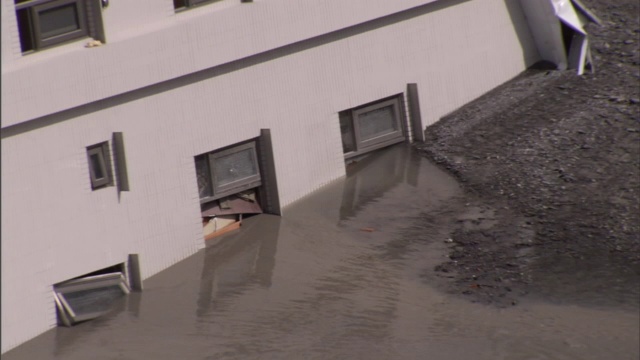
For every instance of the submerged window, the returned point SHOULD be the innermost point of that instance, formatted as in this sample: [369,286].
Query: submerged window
[227,172]
[99,165]
[44,23]
[371,126]
[88,297]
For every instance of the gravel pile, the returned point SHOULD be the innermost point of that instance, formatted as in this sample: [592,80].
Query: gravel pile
[551,163]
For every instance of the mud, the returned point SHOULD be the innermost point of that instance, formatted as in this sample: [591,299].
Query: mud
[550,162]
[346,273]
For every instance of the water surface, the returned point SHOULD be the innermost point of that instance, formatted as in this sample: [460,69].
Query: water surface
[337,277]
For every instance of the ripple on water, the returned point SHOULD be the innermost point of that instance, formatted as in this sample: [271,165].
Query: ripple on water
[313,285]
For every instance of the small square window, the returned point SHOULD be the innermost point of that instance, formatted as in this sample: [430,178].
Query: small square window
[227,172]
[46,23]
[372,126]
[99,165]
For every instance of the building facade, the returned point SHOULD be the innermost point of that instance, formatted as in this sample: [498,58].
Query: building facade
[116,115]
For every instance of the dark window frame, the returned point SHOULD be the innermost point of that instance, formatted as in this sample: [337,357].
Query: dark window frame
[104,164]
[362,146]
[246,183]
[180,5]
[28,17]
[122,175]
[68,315]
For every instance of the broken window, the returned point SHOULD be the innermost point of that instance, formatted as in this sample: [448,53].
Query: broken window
[88,297]
[371,126]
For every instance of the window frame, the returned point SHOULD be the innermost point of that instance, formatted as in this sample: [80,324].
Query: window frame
[67,314]
[102,151]
[189,4]
[364,146]
[34,8]
[221,191]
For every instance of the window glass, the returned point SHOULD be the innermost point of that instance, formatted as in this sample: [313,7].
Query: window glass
[234,167]
[58,21]
[91,301]
[376,122]
[45,23]
[203,175]
[97,165]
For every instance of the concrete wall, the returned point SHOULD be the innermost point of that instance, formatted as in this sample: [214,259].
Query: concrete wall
[175,93]
[150,43]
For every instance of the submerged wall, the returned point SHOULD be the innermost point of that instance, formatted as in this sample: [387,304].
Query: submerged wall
[175,92]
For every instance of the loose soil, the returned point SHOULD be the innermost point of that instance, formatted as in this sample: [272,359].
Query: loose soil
[551,165]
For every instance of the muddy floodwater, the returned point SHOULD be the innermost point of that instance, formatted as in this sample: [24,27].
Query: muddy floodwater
[344,274]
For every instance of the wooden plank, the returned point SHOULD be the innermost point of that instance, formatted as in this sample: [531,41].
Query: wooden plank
[226,229]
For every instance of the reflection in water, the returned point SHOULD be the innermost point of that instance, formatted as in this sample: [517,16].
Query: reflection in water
[373,176]
[231,267]
[314,285]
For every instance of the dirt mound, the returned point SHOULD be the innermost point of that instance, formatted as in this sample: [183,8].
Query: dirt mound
[551,161]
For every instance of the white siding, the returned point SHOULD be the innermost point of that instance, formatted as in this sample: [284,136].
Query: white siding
[54,227]
[167,46]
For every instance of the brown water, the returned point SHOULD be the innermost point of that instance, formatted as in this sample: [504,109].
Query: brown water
[337,277]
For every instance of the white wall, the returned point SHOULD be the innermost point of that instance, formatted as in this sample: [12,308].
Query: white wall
[165,46]
[55,227]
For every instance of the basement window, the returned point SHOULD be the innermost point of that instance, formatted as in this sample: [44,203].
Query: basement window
[227,172]
[44,23]
[88,297]
[371,126]
[99,165]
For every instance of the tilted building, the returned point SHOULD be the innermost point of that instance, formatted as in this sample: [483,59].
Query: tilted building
[124,121]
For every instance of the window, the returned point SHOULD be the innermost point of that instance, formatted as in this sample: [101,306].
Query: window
[182,4]
[88,297]
[227,172]
[44,23]
[371,126]
[99,165]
